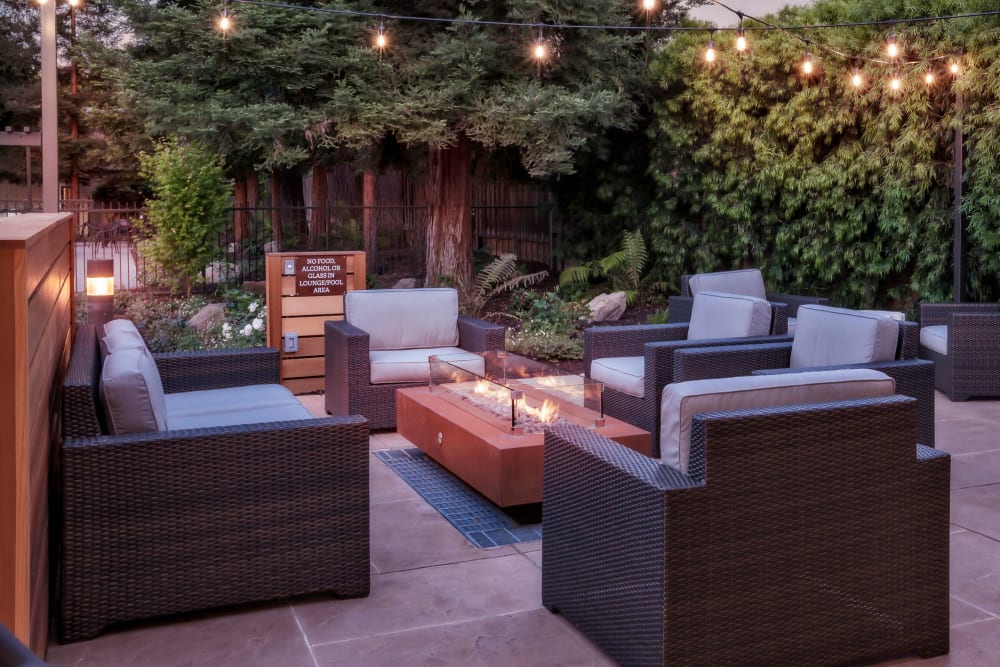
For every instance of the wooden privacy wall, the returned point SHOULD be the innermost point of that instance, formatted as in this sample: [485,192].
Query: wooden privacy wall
[36,306]
[300,303]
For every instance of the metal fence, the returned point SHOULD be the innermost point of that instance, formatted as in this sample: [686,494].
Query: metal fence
[396,238]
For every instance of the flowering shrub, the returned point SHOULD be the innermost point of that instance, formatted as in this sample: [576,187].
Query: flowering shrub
[163,321]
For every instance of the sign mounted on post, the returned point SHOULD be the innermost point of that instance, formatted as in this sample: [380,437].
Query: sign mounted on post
[319,275]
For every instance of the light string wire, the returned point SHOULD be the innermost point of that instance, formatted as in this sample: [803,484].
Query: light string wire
[592,26]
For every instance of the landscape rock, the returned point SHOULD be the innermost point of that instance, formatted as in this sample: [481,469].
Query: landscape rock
[211,314]
[607,307]
[406,283]
[219,272]
[272,246]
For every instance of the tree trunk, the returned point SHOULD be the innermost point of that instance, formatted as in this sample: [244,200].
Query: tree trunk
[449,227]
[239,210]
[320,201]
[368,215]
[253,190]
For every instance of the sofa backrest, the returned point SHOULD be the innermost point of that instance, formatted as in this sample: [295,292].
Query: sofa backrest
[743,281]
[681,401]
[722,315]
[828,336]
[132,391]
[403,319]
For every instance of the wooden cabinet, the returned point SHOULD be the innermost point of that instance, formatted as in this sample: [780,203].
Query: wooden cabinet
[36,312]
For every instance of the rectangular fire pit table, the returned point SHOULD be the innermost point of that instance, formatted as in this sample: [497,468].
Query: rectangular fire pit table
[487,429]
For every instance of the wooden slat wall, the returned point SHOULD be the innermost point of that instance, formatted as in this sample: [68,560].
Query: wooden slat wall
[302,372]
[36,306]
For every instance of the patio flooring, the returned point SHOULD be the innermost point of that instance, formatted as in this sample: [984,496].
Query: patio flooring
[438,600]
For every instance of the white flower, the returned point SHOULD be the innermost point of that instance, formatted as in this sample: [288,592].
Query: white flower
[257,324]
[227,330]
[247,330]
[253,306]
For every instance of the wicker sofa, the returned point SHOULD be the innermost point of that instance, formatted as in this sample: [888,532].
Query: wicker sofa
[176,520]
[963,341]
[383,344]
[810,534]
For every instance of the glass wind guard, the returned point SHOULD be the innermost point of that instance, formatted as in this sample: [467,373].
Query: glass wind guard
[530,393]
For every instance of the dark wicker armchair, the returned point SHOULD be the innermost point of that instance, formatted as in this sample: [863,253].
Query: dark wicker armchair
[743,281]
[349,386]
[171,521]
[657,344]
[818,535]
[963,341]
[914,377]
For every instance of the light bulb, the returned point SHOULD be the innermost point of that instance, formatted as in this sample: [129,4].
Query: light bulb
[381,39]
[807,64]
[648,5]
[540,49]
[710,52]
[741,40]
[953,68]
[225,23]
[856,79]
[895,83]
[74,3]
[929,78]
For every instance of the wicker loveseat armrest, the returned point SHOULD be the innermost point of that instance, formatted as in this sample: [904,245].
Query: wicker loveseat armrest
[172,521]
[477,335]
[626,340]
[730,360]
[216,369]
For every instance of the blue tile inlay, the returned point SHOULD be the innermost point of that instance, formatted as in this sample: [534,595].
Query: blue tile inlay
[480,521]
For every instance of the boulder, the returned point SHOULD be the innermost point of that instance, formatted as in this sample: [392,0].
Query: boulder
[208,316]
[219,272]
[272,246]
[607,307]
[406,283]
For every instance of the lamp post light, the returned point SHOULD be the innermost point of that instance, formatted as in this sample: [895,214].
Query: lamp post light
[50,109]
[100,290]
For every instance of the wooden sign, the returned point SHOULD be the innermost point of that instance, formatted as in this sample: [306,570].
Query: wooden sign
[320,275]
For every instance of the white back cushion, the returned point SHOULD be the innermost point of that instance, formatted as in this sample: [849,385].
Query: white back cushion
[722,315]
[744,281]
[401,319]
[827,336]
[683,400]
[935,338]
[133,393]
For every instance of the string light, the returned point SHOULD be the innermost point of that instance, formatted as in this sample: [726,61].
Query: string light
[225,23]
[856,79]
[741,38]
[807,64]
[648,5]
[954,68]
[929,77]
[891,48]
[540,49]
[710,49]
[381,40]
[895,84]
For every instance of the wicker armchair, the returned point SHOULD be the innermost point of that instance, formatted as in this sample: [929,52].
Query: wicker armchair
[657,345]
[398,315]
[963,341]
[172,521]
[914,377]
[818,535]
[743,281]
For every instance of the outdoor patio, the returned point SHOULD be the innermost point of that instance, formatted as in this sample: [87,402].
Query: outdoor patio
[438,600]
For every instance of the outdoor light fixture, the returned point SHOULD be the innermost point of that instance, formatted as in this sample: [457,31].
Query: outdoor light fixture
[381,41]
[895,84]
[100,290]
[710,50]
[953,68]
[891,48]
[856,78]
[741,38]
[648,5]
[929,78]
[807,64]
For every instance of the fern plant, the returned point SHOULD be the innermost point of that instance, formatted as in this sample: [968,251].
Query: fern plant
[622,268]
[500,275]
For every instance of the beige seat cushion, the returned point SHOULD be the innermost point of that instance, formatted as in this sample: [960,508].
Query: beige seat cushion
[749,282]
[724,315]
[132,391]
[935,338]
[392,366]
[401,319]
[683,400]
[827,336]
[624,374]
